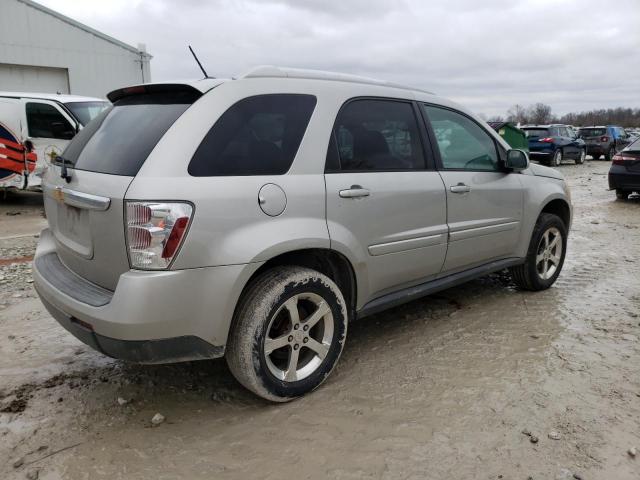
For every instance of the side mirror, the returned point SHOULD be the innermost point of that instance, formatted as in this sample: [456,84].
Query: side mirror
[517,160]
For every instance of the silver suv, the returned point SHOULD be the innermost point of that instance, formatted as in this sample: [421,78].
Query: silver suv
[254,218]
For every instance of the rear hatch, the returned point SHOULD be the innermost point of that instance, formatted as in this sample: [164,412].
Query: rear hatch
[534,135]
[592,136]
[86,214]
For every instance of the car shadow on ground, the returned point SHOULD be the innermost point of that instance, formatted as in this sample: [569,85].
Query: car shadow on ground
[211,380]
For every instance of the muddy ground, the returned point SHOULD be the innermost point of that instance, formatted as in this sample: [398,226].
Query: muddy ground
[454,386]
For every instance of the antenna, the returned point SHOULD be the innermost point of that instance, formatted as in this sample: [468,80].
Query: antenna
[198,61]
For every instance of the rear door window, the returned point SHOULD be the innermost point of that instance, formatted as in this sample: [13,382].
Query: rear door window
[258,135]
[120,139]
[372,135]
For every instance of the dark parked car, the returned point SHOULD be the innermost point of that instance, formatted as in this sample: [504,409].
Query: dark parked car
[624,174]
[550,144]
[604,140]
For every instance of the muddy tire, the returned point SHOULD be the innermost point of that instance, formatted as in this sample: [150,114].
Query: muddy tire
[545,256]
[288,333]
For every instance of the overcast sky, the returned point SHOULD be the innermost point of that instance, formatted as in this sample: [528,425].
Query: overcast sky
[487,54]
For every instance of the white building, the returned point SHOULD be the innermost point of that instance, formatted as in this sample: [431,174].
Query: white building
[44,51]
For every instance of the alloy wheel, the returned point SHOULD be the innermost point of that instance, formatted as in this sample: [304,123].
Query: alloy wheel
[298,337]
[549,253]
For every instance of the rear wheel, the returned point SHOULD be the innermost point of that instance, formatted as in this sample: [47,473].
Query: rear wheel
[621,194]
[557,158]
[581,157]
[609,155]
[545,256]
[288,333]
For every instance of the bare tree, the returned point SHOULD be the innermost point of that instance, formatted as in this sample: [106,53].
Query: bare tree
[517,114]
[540,113]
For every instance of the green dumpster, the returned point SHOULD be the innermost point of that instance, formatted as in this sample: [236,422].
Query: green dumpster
[511,134]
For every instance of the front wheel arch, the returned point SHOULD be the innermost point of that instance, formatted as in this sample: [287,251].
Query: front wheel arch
[560,208]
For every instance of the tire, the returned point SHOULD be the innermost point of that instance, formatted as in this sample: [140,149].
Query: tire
[621,194]
[595,156]
[557,158]
[609,155]
[581,157]
[528,276]
[267,312]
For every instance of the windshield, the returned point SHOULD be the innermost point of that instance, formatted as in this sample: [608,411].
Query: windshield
[86,111]
[593,132]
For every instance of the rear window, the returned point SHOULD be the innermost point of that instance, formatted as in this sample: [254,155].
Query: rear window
[536,132]
[257,136]
[120,138]
[593,132]
[633,146]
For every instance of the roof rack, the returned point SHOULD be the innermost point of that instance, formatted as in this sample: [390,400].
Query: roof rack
[271,71]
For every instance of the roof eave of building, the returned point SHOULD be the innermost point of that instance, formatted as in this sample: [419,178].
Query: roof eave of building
[84,27]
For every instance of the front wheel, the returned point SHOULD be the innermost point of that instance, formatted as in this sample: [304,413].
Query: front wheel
[557,158]
[545,256]
[582,156]
[288,333]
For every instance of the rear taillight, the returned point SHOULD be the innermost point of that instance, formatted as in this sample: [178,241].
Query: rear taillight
[155,231]
[604,139]
[620,159]
[546,140]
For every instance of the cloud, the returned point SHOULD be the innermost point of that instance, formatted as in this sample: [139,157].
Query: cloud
[490,54]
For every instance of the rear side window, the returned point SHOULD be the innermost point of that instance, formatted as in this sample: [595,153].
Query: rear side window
[120,139]
[374,135]
[257,136]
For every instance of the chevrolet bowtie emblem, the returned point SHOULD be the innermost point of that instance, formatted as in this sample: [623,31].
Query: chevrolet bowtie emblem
[58,194]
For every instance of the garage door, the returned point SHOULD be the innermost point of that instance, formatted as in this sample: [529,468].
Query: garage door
[25,78]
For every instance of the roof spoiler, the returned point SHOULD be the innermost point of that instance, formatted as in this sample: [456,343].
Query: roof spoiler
[124,92]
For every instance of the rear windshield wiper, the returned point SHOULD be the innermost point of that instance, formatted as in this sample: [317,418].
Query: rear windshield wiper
[64,173]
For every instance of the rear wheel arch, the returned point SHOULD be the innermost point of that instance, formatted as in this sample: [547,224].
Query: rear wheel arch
[326,261]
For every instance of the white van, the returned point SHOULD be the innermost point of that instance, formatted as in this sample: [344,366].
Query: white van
[34,129]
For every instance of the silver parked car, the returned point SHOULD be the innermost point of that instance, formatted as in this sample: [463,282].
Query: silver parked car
[254,218]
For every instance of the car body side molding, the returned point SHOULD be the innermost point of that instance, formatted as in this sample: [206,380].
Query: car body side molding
[412,293]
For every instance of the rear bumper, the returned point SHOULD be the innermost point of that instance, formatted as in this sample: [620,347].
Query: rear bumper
[151,317]
[544,155]
[621,178]
[596,149]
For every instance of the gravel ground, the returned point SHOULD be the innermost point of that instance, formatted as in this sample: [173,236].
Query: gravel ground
[481,381]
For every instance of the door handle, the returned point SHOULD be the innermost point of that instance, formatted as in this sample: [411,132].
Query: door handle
[460,188]
[356,191]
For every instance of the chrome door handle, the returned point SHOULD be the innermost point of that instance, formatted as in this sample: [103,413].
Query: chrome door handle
[460,188]
[356,191]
